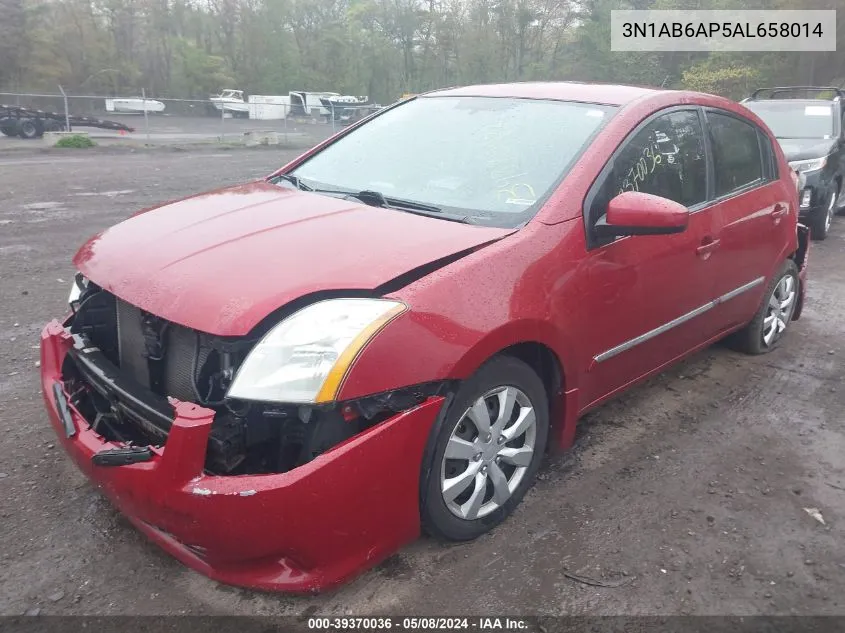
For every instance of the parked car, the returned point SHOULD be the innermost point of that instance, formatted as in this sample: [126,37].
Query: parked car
[808,123]
[282,382]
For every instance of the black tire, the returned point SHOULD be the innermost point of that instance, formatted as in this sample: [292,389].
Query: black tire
[840,209]
[29,128]
[502,371]
[820,223]
[9,128]
[51,125]
[750,339]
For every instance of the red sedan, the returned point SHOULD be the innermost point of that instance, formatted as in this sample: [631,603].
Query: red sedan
[281,383]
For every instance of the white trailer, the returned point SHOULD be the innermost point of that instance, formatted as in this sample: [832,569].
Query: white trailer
[268,107]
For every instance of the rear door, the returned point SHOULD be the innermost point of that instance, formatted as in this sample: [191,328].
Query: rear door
[751,208]
[654,291]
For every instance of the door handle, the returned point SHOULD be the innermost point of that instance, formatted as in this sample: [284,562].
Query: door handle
[707,247]
[778,212]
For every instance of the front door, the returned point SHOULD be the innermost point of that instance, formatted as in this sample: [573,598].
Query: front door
[656,290]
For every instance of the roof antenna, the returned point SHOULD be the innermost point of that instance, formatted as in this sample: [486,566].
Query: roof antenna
[664,81]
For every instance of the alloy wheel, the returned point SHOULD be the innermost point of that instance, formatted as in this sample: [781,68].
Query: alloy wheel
[779,310]
[488,453]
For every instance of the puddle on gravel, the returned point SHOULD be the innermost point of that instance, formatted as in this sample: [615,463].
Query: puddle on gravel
[14,249]
[107,194]
[43,206]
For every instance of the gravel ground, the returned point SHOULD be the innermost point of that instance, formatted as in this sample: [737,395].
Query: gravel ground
[689,494]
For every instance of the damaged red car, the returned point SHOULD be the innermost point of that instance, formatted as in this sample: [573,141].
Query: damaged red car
[281,383]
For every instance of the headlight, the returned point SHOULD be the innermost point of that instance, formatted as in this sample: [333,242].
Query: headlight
[813,164]
[305,358]
[79,284]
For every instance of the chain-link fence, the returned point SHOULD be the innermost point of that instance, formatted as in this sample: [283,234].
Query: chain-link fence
[299,118]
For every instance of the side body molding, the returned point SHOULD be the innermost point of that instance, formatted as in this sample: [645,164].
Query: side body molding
[642,338]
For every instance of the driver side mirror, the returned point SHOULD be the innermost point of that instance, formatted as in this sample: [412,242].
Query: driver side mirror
[637,213]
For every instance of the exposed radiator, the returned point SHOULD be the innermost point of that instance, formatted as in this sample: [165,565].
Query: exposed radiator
[130,338]
[183,356]
[183,359]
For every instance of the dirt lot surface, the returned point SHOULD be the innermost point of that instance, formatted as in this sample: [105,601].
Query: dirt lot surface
[691,491]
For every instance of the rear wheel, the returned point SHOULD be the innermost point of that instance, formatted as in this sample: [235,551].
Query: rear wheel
[768,326]
[824,217]
[28,128]
[484,455]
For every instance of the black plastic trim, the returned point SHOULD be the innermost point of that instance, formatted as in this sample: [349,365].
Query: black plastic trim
[773,90]
[128,396]
[64,412]
[122,456]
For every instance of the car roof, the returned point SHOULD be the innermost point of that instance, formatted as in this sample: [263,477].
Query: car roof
[607,94]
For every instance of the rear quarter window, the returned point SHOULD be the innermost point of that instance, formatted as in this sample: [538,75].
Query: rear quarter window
[770,162]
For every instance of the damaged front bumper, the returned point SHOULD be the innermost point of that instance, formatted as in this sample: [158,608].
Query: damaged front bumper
[300,531]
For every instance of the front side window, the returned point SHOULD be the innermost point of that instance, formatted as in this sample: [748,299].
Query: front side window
[664,158]
[736,153]
[491,160]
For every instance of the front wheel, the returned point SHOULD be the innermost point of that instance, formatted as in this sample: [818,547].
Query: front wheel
[482,458]
[768,326]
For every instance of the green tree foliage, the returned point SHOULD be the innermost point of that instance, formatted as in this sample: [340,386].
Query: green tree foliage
[729,79]
[13,41]
[197,71]
[383,48]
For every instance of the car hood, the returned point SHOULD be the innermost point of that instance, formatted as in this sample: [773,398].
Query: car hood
[804,148]
[221,262]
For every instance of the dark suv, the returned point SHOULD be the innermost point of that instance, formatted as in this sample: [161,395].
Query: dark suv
[807,122]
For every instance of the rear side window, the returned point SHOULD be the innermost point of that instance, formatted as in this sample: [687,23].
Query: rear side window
[737,160]
[664,158]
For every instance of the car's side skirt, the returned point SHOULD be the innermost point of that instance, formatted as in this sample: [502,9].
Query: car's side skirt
[661,329]
[656,370]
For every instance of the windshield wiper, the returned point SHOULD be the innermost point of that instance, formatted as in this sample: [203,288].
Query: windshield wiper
[378,199]
[296,181]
